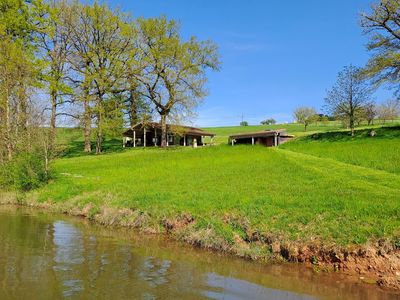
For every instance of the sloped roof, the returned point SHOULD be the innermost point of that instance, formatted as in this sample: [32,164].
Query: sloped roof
[174,128]
[262,133]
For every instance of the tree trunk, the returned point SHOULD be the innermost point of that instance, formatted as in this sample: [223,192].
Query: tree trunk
[99,135]
[53,117]
[163,131]
[352,126]
[133,109]
[99,123]
[87,123]
[8,129]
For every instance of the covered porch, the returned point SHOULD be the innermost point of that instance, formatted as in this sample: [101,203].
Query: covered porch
[149,135]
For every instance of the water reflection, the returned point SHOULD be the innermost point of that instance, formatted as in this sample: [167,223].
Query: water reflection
[68,257]
[234,289]
[46,257]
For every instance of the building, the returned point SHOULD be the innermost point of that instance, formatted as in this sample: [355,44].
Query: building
[268,138]
[149,134]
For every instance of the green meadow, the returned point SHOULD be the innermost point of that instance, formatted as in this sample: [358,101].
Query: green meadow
[324,186]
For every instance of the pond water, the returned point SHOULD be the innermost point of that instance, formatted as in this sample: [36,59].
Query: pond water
[44,256]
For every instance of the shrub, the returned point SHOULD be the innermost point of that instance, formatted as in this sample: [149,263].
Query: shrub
[26,171]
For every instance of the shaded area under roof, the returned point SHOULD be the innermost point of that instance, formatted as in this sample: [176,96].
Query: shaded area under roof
[178,129]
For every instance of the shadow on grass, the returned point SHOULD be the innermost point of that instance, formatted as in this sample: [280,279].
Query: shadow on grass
[332,136]
[75,148]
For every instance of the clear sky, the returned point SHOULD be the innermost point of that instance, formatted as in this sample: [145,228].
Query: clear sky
[276,55]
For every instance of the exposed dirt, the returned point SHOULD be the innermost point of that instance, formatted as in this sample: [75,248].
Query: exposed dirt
[378,262]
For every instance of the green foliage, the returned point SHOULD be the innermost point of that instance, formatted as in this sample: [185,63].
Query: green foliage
[382,26]
[268,122]
[29,171]
[25,172]
[305,116]
[244,123]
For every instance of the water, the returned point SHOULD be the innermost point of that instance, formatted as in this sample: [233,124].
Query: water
[58,257]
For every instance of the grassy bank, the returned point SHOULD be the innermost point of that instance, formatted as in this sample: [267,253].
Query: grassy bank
[381,152]
[239,190]
[324,190]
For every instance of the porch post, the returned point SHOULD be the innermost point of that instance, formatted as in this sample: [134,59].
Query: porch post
[155,136]
[232,142]
[276,139]
[184,140]
[167,140]
[144,137]
[252,140]
[134,139]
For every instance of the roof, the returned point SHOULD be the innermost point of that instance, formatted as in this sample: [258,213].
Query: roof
[263,133]
[170,127]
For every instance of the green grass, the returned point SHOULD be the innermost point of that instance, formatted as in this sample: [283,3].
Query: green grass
[223,133]
[381,152]
[282,192]
[326,186]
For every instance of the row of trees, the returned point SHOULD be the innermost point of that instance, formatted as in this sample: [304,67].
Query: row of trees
[95,65]
[350,98]
[101,67]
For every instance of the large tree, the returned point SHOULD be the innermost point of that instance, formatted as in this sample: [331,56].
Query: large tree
[382,24]
[348,97]
[17,73]
[53,40]
[99,54]
[174,73]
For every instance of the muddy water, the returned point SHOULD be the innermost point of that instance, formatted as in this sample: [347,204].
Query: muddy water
[44,256]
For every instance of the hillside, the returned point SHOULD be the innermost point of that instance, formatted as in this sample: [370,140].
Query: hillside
[320,192]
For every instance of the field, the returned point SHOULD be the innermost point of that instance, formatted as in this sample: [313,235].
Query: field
[328,187]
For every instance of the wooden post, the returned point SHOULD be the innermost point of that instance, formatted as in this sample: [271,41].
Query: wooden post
[232,142]
[155,136]
[134,139]
[184,140]
[123,142]
[276,139]
[252,141]
[144,137]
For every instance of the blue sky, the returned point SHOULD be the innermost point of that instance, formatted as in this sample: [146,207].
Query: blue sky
[276,55]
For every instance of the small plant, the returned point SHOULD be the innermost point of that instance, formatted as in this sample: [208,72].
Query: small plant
[397,244]
[314,260]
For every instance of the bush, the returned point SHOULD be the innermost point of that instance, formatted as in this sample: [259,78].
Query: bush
[25,172]
[244,123]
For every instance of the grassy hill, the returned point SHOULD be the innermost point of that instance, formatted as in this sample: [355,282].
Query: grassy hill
[328,186]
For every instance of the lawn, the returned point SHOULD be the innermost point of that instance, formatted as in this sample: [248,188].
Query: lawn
[280,192]
[381,152]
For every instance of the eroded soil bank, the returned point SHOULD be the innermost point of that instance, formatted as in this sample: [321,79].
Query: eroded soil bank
[377,262]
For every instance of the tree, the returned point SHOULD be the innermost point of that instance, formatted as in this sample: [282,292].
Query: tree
[268,122]
[348,97]
[370,113]
[99,55]
[18,74]
[174,73]
[382,24]
[244,123]
[389,110]
[53,39]
[305,115]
